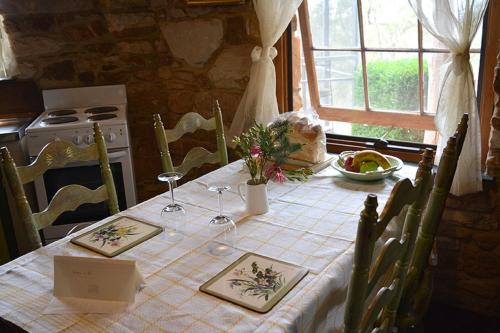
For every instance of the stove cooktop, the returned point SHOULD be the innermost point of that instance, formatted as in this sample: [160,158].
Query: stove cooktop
[63,112]
[102,109]
[101,116]
[59,120]
[74,118]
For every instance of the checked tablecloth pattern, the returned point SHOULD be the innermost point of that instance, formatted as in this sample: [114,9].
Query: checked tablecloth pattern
[312,224]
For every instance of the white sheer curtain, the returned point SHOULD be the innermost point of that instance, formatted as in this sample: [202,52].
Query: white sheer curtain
[259,101]
[454,23]
[8,65]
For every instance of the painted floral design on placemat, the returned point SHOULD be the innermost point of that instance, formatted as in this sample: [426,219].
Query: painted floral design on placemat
[112,234]
[259,282]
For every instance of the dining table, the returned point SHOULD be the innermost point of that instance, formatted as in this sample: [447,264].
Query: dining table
[311,224]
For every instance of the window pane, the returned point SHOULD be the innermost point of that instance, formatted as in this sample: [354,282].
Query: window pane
[476,42]
[389,24]
[334,23]
[432,69]
[340,79]
[393,80]
[388,132]
[377,132]
[430,42]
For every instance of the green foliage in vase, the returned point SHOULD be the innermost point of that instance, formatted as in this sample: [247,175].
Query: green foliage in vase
[265,149]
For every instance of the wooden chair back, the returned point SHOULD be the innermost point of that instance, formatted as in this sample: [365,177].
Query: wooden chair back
[197,156]
[68,198]
[417,290]
[378,314]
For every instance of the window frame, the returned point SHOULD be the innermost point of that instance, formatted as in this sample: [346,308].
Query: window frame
[421,120]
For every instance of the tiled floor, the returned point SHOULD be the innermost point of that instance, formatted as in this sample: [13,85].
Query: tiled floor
[443,318]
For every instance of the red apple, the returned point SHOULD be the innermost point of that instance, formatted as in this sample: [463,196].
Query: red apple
[348,164]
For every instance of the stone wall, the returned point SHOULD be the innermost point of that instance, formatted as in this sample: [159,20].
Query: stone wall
[468,247]
[172,58]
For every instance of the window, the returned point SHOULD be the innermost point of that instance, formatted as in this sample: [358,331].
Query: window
[371,69]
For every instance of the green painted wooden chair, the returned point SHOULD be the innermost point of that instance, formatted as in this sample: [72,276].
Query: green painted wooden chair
[68,198]
[418,288]
[197,156]
[388,271]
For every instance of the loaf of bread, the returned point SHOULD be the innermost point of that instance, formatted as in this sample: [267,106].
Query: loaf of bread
[313,138]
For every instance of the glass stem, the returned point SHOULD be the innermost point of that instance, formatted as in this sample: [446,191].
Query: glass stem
[220,203]
[170,184]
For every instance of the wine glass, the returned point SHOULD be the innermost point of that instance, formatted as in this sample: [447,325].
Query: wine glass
[221,224]
[173,213]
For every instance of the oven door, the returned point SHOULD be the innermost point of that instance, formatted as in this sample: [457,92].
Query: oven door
[87,174]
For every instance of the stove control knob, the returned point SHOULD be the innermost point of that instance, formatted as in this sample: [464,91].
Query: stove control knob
[89,139]
[110,137]
[77,140]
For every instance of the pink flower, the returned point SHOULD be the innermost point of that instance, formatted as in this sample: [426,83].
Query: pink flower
[275,173]
[279,176]
[255,151]
[270,170]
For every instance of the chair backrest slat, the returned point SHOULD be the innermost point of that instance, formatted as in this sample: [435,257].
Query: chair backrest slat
[197,156]
[56,155]
[403,193]
[408,314]
[68,198]
[391,252]
[189,123]
[361,311]
[381,300]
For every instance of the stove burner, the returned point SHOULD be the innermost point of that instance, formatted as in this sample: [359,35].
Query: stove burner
[59,120]
[59,113]
[101,117]
[101,109]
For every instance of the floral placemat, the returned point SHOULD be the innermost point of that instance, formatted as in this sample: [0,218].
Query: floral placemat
[117,236]
[255,282]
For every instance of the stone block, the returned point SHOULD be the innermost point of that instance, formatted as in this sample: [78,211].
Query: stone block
[495,122]
[122,22]
[480,263]
[27,70]
[483,201]
[62,70]
[204,36]
[237,29]
[44,6]
[33,46]
[87,78]
[469,219]
[113,77]
[448,243]
[139,47]
[232,67]
[487,240]
[181,102]
[128,5]
[28,24]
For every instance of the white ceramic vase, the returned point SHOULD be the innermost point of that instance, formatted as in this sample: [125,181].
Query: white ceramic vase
[255,198]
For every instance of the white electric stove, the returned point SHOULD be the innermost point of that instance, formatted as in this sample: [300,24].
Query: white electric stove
[69,115]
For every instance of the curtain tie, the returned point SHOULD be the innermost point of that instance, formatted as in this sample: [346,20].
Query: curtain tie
[463,56]
[259,53]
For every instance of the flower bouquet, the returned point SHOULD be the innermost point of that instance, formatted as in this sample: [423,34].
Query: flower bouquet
[265,150]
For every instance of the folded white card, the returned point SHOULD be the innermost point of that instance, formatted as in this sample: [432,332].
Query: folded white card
[98,279]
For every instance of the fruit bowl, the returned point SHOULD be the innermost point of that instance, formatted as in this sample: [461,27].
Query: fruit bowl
[396,164]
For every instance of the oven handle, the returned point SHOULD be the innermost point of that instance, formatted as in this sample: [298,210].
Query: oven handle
[116,155]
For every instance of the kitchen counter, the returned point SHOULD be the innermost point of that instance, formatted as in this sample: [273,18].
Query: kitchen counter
[13,129]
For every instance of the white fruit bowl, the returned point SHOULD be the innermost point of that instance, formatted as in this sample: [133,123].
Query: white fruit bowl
[396,164]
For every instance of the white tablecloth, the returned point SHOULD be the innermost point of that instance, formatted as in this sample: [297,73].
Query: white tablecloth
[311,224]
